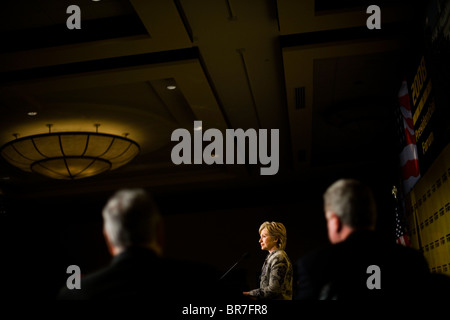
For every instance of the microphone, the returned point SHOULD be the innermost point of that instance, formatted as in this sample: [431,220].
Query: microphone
[244,256]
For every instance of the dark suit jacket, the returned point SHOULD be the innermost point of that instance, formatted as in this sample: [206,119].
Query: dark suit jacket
[340,271]
[138,273]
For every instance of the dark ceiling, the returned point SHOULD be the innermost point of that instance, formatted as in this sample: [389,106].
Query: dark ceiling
[311,69]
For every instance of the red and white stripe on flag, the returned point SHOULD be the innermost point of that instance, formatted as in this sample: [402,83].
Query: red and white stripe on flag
[404,240]
[409,159]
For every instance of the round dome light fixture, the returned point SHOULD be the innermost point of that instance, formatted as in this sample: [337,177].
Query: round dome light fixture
[70,155]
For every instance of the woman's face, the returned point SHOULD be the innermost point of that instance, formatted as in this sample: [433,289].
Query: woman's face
[267,242]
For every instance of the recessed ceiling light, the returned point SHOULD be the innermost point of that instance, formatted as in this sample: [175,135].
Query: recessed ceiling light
[171,87]
[32,113]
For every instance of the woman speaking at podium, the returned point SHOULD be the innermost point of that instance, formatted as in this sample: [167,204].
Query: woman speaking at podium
[276,273]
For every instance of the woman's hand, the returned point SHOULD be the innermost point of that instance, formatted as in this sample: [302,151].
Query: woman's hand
[247,294]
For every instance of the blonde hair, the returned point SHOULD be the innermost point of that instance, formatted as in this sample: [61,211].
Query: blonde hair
[276,230]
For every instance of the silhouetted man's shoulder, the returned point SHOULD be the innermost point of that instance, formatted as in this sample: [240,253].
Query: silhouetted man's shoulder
[363,266]
[376,267]
[134,274]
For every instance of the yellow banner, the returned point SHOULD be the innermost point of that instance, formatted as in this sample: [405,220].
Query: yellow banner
[430,214]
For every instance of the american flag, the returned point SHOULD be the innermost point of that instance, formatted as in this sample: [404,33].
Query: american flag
[409,160]
[401,234]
